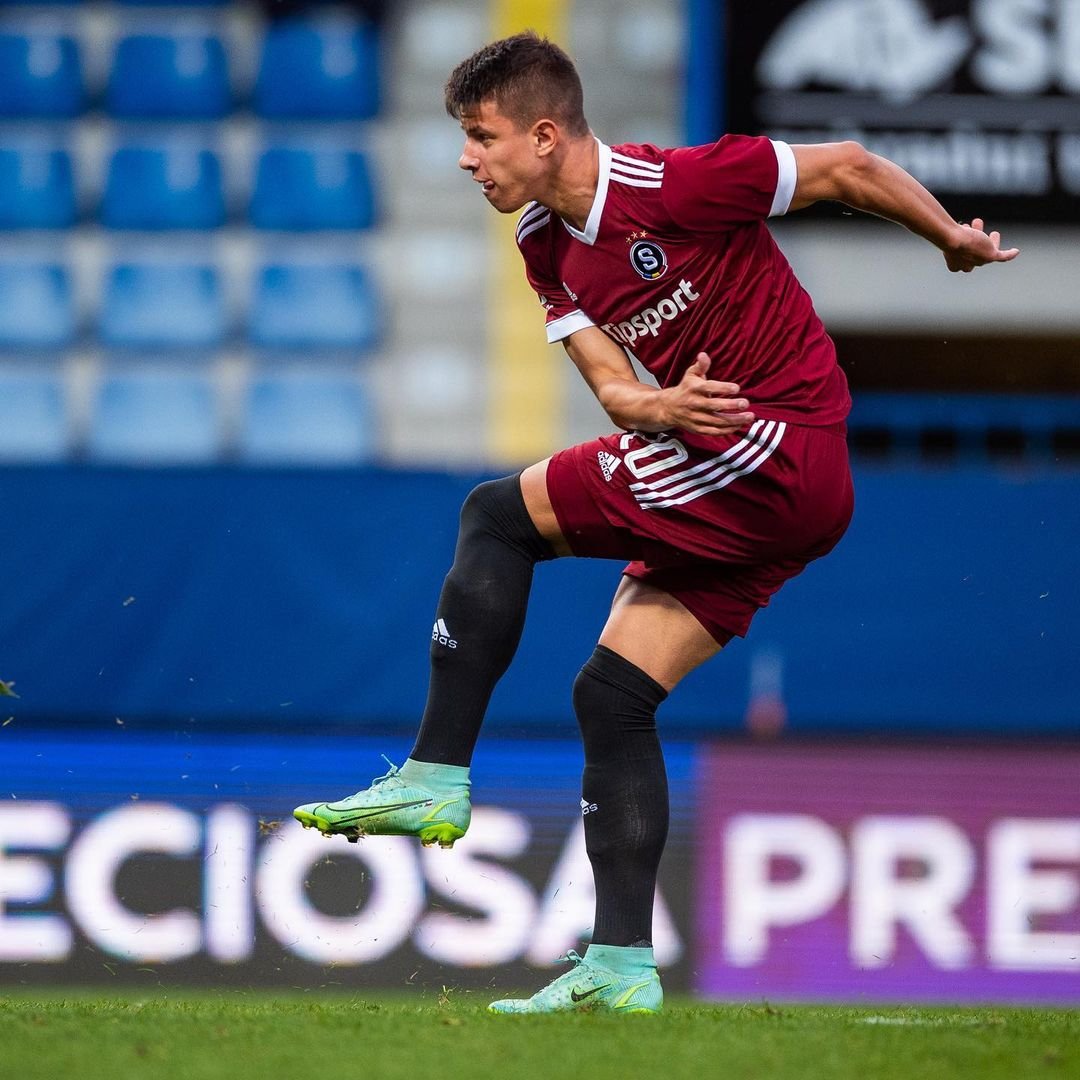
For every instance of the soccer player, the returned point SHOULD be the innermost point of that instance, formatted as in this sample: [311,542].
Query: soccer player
[721,483]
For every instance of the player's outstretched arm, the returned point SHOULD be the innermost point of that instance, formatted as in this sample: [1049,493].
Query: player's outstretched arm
[697,403]
[847,172]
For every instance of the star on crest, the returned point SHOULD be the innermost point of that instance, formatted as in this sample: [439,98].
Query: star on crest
[636,236]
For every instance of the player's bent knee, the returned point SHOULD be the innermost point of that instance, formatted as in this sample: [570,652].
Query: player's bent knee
[610,693]
[496,508]
[590,698]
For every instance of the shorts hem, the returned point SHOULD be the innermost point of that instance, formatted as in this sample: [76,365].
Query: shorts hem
[720,632]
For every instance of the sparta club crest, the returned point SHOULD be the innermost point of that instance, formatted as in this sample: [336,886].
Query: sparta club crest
[648,259]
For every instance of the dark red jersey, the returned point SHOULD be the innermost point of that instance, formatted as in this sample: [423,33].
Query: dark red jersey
[676,259]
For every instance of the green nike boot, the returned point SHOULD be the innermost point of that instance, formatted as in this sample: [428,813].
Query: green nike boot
[587,986]
[394,806]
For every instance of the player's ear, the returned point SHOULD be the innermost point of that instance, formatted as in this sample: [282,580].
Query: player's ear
[545,136]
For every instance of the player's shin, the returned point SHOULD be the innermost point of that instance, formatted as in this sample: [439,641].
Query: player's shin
[624,795]
[479,618]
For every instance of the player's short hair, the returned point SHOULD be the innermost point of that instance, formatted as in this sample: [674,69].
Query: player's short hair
[527,76]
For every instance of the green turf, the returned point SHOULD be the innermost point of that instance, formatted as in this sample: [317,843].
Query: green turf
[264,1036]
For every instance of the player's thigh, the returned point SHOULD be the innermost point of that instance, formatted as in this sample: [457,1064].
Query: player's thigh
[534,490]
[655,632]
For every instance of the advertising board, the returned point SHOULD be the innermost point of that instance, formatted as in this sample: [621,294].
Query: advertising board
[173,858]
[945,874]
[793,872]
[980,99]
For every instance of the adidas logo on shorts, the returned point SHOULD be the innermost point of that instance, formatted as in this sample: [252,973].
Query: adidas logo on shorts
[440,634]
[608,464]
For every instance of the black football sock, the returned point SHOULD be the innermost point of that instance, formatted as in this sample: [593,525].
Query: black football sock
[479,619]
[625,793]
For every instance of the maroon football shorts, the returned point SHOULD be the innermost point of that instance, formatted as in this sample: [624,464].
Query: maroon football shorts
[720,523]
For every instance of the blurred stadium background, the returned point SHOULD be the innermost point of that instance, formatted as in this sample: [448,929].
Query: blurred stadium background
[257,340]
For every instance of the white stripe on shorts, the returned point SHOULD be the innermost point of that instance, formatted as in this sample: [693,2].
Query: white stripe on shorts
[726,469]
[701,466]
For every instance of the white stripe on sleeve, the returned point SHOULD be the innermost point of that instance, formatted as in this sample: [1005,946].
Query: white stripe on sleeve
[654,166]
[532,212]
[532,226]
[785,179]
[634,181]
[566,325]
[637,170]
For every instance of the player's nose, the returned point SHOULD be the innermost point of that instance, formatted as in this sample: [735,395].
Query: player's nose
[468,161]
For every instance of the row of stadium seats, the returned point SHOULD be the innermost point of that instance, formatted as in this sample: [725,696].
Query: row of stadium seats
[200,348]
[180,305]
[178,184]
[322,69]
[896,425]
[155,414]
[161,416]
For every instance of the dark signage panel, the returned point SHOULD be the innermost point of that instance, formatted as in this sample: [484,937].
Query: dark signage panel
[166,858]
[980,99]
[169,858]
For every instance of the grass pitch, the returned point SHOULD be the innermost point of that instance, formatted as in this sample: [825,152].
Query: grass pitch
[263,1036]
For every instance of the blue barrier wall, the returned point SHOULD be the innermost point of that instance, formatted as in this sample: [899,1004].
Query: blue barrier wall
[306,597]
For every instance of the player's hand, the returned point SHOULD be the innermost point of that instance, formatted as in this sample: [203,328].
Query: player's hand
[705,406]
[974,246]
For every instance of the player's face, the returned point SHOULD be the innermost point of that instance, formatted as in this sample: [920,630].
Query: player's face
[502,158]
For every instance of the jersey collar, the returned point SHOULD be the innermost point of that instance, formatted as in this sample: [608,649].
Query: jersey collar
[592,223]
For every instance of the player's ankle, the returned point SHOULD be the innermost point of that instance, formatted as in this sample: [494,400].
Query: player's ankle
[435,775]
[627,960]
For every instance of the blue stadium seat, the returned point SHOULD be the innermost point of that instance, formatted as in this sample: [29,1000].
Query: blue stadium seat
[321,305]
[37,190]
[162,305]
[155,417]
[323,69]
[314,187]
[176,185]
[182,77]
[33,416]
[37,310]
[40,75]
[307,419]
